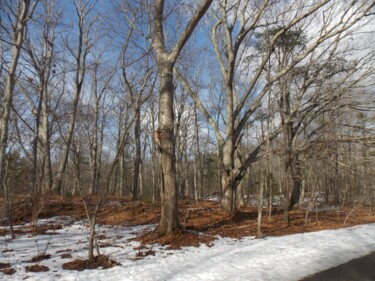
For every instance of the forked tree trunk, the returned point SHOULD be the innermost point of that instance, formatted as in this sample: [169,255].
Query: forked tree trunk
[166,139]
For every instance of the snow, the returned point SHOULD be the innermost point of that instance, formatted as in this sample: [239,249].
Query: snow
[289,257]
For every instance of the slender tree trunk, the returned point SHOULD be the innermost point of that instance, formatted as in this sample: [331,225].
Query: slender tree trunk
[35,144]
[122,182]
[141,179]
[94,148]
[153,155]
[8,202]
[19,28]
[57,184]
[218,171]
[45,139]
[186,176]
[79,75]
[21,21]
[197,159]
[118,173]
[92,239]
[100,152]
[137,159]
[260,205]
[36,187]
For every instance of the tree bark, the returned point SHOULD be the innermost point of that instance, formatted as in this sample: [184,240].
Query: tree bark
[168,190]
[228,184]
[297,184]
[198,174]
[137,158]
[45,139]
[94,147]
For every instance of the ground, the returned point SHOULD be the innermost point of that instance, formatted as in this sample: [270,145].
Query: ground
[205,218]
[201,223]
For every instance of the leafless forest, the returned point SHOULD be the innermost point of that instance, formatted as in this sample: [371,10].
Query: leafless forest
[263,103]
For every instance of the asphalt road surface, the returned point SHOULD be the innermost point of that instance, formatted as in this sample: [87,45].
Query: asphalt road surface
[362,269]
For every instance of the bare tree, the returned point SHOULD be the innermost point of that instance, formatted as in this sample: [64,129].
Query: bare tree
[164,135]
[234,27]
[93,210]
[102,76]
[23,13]
[137,86]
[79,53]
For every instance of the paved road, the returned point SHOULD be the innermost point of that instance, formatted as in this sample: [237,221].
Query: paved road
[362,269]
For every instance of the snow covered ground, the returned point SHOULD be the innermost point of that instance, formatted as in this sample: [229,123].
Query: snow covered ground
[273,258]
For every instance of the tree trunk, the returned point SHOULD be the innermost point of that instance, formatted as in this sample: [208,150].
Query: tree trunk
[21,21]
[36,188]
[8,202]
[94,148]
[79,75]
[92,222]
[45,138]
[153,154]
[240,194]
[168,191]
[297,184]
[228,185]
[198,175]
[260,205]
[57,184]
[166,138]
[219,173]
[137,159]
[7,100]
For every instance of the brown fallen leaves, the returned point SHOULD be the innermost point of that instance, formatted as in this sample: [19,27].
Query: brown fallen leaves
[98,261]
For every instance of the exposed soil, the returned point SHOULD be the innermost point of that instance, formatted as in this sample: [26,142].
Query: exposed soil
[98,261]
[200,223]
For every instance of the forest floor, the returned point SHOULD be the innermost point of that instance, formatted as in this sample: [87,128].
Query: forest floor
[200,222]
[126,232]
